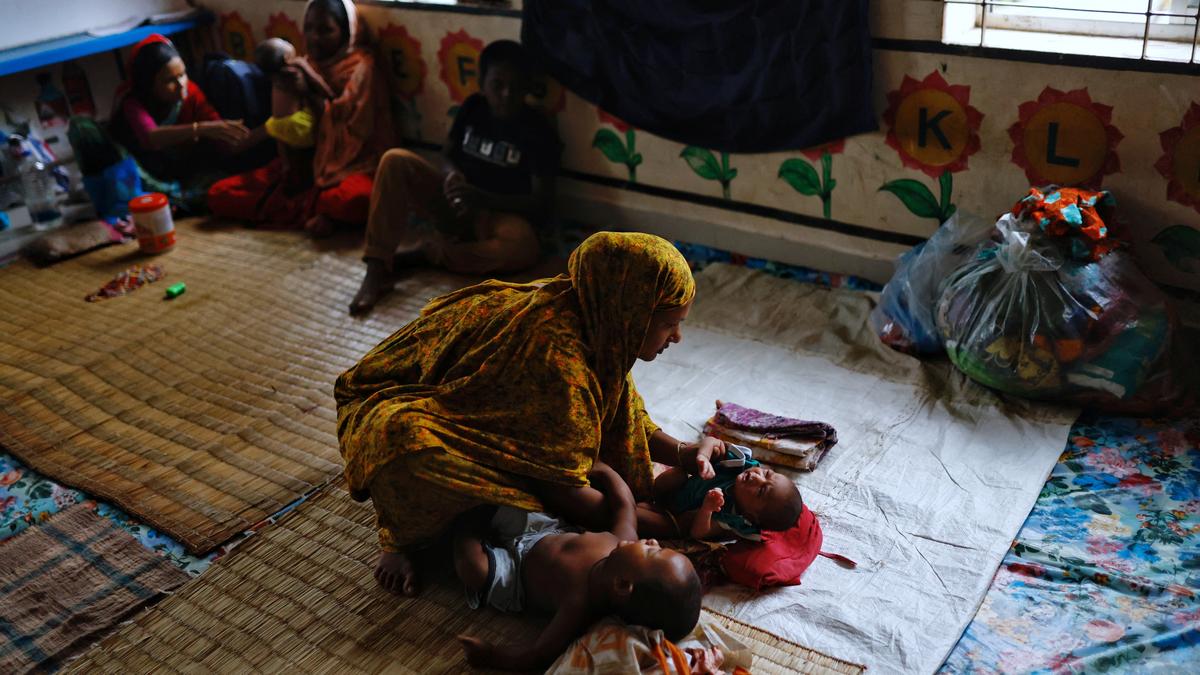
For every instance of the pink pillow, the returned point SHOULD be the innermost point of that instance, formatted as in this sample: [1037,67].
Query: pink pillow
[779,559]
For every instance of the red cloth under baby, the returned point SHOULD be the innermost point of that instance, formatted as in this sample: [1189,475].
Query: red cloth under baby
[781,557]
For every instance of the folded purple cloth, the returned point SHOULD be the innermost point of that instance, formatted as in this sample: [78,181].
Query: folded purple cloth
[734,416]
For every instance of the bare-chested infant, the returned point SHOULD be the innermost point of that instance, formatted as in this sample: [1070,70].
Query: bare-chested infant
[520,560]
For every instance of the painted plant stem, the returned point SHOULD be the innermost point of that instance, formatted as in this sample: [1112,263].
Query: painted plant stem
[705,164]
[804,179]
[919,199]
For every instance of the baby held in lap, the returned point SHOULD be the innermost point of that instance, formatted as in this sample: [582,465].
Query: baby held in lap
[296,91]
[534,560]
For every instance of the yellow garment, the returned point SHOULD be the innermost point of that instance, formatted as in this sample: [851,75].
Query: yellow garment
[296,130]
[506,383]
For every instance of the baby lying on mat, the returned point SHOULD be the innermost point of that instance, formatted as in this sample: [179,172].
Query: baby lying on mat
[534,560]
[733,495]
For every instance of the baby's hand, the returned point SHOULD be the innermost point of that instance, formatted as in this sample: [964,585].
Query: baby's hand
[479,652]
[714,500]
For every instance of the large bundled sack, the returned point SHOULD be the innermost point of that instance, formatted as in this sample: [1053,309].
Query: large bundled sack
[904,318]
[1051,307]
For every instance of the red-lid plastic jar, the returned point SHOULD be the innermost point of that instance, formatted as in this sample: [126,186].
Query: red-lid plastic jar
[152,219]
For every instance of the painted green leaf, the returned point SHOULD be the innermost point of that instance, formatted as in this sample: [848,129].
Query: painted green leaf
[610,144]
[702,162]
[915,196]
[801,176]
[635,160]
[1181,245]
[731,175]
[830,185]
[946,182]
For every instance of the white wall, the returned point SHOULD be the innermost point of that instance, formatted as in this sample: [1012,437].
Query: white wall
[29,21]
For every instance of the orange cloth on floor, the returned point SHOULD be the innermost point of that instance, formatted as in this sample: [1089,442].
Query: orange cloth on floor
[261,196]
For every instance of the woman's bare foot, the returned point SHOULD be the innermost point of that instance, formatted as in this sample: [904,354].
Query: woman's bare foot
[376,284]
[396,573]
[320,226]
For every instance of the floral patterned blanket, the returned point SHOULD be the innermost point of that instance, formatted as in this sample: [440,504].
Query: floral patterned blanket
[1105,574]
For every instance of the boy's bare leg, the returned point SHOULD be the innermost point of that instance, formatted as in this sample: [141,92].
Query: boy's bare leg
[583,506]
[668,483]
[404,183]
[470,559]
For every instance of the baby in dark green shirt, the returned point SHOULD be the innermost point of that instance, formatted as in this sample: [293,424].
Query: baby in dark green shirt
[741,499]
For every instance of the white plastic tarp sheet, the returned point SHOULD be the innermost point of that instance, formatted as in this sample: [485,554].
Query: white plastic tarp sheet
[929,482]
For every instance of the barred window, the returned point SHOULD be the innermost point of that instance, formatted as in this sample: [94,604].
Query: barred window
[1157,30]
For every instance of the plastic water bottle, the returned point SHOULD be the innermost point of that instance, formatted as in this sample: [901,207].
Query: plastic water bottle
[37,184]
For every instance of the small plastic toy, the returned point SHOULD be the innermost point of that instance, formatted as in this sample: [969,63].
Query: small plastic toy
[175,290]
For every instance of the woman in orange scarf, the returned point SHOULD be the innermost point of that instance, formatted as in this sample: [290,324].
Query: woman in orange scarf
[507,393]
[354,129]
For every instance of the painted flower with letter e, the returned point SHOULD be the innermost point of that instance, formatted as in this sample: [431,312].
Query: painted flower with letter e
[458,61]
[402,60]
[704,163]
[933,128]
[804,178]
[1180,161]
[237,39]
[1065,138]
[613,148]
[280,25]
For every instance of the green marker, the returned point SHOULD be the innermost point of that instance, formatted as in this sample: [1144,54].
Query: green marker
[175,290]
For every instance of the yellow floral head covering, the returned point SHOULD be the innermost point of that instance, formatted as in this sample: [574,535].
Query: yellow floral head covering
[621,279]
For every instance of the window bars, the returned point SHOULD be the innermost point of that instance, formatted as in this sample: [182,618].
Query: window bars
[1155,30]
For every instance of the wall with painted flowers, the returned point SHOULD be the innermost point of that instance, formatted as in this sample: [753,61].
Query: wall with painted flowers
[956,133]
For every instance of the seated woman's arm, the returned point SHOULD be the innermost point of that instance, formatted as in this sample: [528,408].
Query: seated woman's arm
[152,136]
[695,458]
[226,132]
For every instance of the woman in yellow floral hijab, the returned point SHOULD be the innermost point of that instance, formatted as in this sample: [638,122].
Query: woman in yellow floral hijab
[499,392]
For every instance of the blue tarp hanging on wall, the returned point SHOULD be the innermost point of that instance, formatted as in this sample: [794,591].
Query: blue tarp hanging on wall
[742,76]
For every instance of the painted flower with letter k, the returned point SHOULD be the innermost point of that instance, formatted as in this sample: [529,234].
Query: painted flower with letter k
[934,129]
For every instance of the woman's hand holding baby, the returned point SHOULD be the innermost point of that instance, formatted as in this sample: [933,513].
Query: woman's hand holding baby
[291,77]
[696,458]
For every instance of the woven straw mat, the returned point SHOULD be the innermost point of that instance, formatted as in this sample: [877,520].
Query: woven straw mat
[68,580]
[301,598]
[203,414]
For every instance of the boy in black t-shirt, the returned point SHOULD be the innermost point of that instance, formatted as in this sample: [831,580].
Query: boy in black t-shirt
[494,188]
